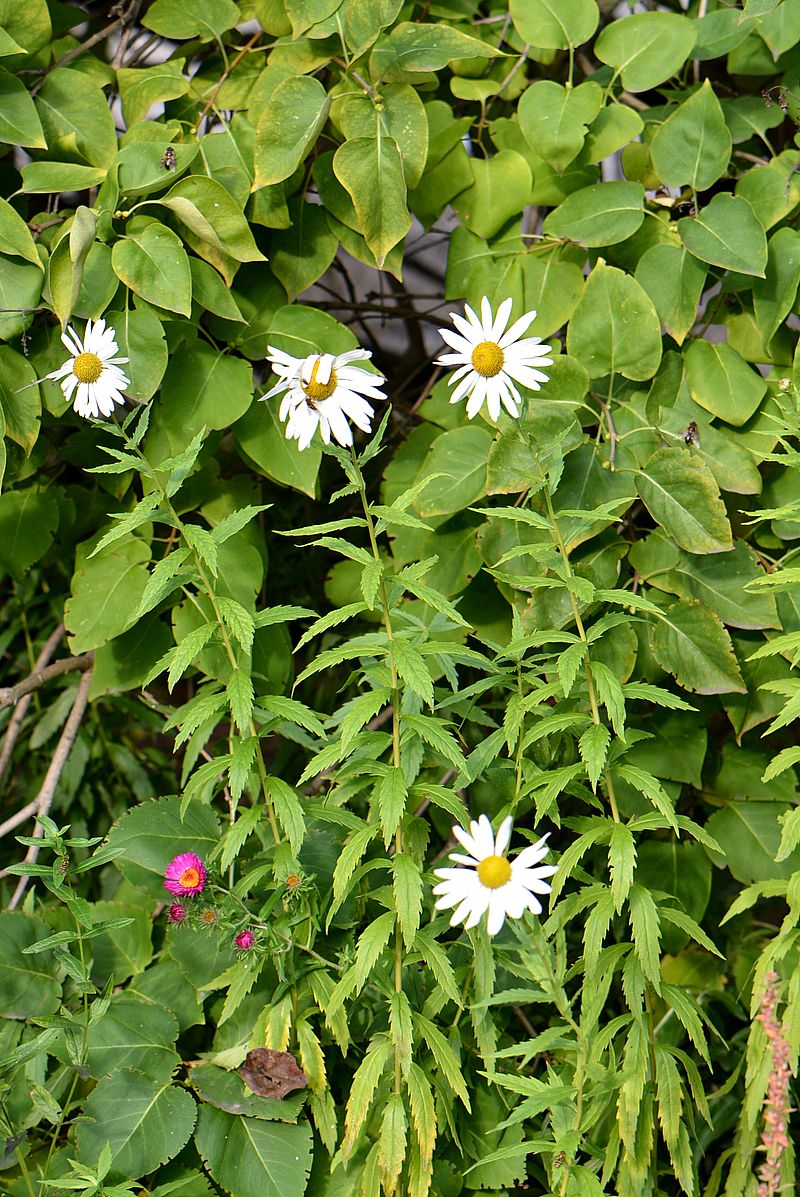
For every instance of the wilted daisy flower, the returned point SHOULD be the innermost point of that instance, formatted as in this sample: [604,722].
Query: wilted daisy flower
[185,874]
[323,391]
[488,881]
[93,369]
[490,360]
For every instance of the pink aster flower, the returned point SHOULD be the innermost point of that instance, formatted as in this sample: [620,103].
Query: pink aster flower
[245,940]
[176,913]
[185,874]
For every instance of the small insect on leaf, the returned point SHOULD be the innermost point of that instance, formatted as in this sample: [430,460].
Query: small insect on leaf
[168,159]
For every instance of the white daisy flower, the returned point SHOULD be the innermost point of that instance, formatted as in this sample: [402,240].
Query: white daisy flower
[488,881]
[93,369]
[490,360]
[323,391]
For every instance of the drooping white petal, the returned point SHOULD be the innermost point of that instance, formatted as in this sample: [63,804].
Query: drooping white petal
[497,911]
[500,320]
[503,836]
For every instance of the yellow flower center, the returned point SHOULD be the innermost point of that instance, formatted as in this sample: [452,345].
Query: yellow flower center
[315,391]
[487,359]
[292,881]
[190,878]
[209,917]
[87,367]
[494,871]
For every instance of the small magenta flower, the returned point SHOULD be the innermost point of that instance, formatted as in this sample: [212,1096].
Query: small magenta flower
[185,874]
[245,940]
[176,913]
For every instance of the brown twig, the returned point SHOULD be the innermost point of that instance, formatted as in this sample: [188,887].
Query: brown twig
[40,677]
[15,723]
[46,794]
[225,75]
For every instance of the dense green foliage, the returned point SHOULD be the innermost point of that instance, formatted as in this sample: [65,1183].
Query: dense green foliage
[304,667]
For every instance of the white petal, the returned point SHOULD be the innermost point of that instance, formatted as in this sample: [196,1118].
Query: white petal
[484,836]
[69,384]
[467,841]
[471,329]
[503,835]
[487,319]
[71,340]
[533,879]
[467,383]
[475,401]
[501,319]
[534,853]
[497,912]
[517,329]
[480,903]
[493,397]
[460,344]
[62,370]
[532,379]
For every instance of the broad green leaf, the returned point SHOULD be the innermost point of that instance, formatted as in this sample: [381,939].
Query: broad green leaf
[28,519]
[555,119]
[615,329]
[718,580]
[602,214]
[726,233]
[140,89]
[674,280]
[144,1121]
[206,389]
[206,208]
[363,23]
[151,260]
[122,952]
[681,494]
[133,1033]
[749,834]
[227,1091]
[76,119]
[29,985]
[15,236]
[555,24]
[28,25]
[45,178]
[400,115]
[19,120]
[646,48]
[371,171]
[22,408]
[288,126]
[772,191]
[105,594]
[261,437]
[459,458]
[691,643]
[774,295]
[693,145]
[614,127]
[209,291]
[140,336]
[412,47]
[205,19]
[500,189]
[20,294]
[302,253]
[252,1157]
[151,834]
[720,381]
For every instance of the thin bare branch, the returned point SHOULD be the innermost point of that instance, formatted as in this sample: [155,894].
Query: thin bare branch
[40,677]
[16,721]
[46,794]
